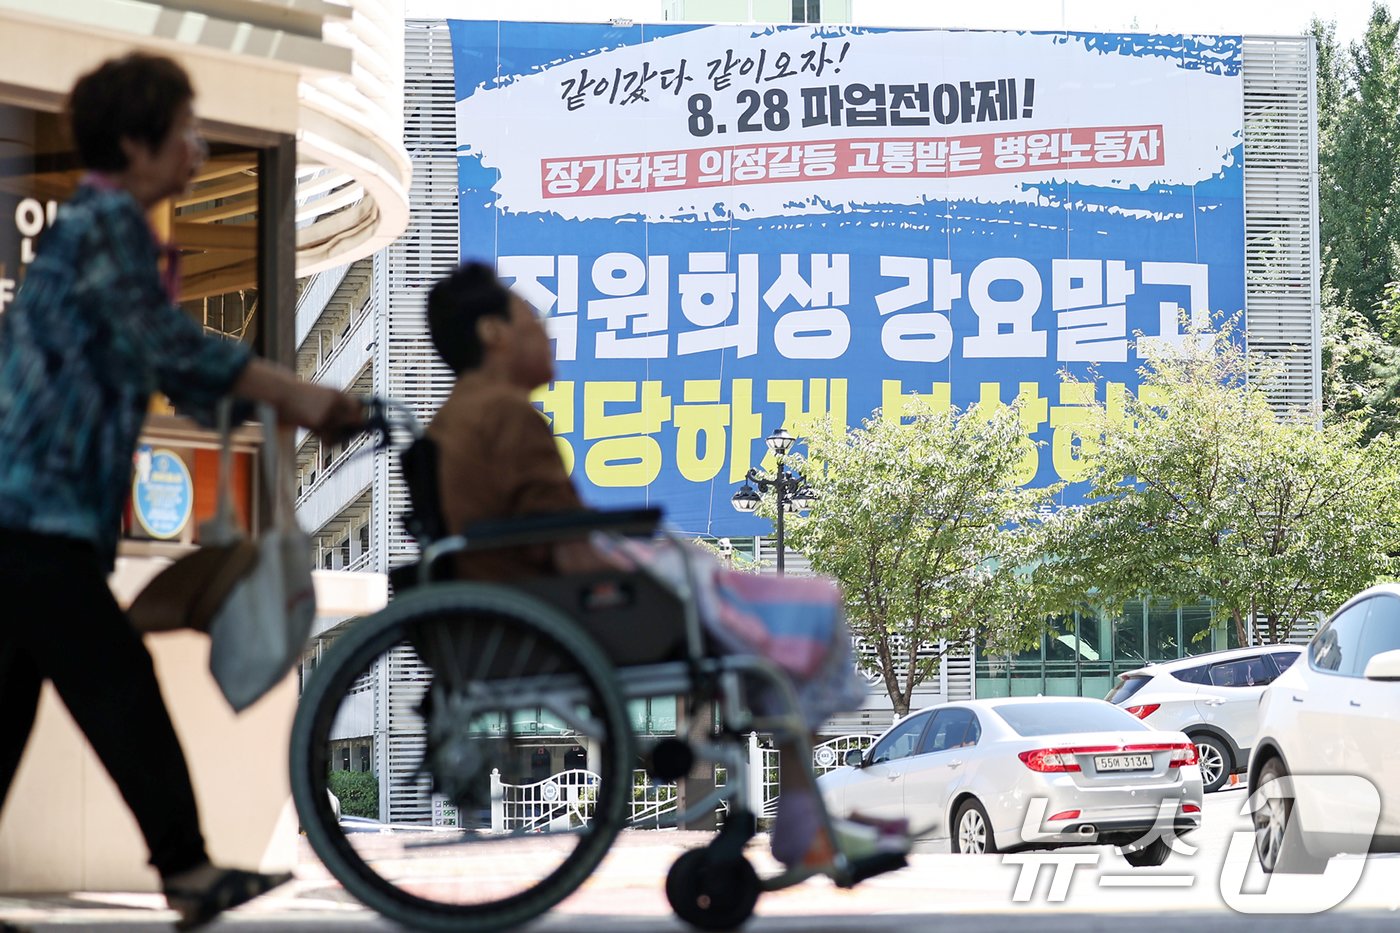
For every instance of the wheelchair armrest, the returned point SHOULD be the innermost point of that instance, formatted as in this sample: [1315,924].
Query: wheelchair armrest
[558,526]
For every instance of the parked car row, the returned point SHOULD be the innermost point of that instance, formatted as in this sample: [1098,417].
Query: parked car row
[1044,772]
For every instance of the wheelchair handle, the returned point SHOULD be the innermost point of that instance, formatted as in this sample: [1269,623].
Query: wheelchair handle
[383,415]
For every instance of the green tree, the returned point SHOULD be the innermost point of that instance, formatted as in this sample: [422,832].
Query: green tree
[1361,364]
[1331,76]
[1199,490]
[1359,154]
[924,526]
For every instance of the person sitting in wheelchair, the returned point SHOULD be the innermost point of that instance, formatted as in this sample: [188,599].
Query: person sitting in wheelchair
[498,459]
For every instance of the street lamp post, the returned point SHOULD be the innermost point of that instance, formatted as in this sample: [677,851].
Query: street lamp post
[792,493]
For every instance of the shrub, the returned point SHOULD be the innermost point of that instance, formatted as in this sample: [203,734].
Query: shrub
[358,792]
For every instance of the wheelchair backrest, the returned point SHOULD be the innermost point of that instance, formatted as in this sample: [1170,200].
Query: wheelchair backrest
[419,465]
[634,620]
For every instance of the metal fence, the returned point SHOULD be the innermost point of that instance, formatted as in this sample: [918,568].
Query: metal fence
[566,800]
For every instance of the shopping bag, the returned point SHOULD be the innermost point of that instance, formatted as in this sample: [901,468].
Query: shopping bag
[261,627]
[188,593]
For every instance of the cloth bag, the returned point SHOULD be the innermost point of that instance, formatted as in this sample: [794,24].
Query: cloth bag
[261,627]
[188,593]
[253,597]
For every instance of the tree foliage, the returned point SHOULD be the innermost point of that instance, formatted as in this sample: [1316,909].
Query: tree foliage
[921,521]
[1360,150]
[1358,108]
[1199,491]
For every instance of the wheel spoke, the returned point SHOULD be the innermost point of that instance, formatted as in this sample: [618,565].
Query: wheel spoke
[501,847]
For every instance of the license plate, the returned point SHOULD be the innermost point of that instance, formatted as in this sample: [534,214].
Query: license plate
[1123,763]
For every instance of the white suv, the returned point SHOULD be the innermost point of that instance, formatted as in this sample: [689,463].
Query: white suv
[1333,715]
[1213,698]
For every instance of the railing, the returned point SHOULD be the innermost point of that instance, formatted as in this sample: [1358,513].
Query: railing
[566,800]
[830,755]
[362,562]
[336,486]
[324,474]
[312,300]
[562,802]
[351,352]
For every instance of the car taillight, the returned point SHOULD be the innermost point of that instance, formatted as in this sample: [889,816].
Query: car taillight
[1183,755]
[1064,815]
[1190,808]
[1145,710]
[1050,760]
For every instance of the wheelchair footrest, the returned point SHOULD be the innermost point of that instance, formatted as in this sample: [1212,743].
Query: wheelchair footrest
[876,864]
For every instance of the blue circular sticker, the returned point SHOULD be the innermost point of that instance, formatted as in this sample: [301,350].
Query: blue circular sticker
[162,493]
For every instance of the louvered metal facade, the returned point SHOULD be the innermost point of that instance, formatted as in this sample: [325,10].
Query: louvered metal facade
[1282,300]
[1281,304]
[407,368]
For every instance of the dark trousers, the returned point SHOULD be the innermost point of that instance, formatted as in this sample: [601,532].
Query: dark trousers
[59,622]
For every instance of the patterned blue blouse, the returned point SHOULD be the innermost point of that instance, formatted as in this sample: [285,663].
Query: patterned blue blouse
[90,336]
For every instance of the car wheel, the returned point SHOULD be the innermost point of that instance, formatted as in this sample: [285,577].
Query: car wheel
[972,831]
[1216,761]
[1278,834]
[1150,855]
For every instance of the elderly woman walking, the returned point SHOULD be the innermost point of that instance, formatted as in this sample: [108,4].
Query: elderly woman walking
[92,334]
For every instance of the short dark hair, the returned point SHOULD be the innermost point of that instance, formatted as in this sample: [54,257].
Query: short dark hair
[132,97]
[455,304]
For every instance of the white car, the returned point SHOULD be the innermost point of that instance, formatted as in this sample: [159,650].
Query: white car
[1213,698]
[1335,712]
[1027,773]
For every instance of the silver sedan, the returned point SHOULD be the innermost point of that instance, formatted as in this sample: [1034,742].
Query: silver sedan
[1027,773]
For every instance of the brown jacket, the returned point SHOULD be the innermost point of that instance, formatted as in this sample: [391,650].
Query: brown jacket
[498,459]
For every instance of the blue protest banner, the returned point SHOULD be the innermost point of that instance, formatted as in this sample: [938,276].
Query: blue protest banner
[733,228]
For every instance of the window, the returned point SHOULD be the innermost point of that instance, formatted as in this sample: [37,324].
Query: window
[806,11]
[1126,687]
[901,741]
[1244,672]
[1381,633]
[1334,648]
[345,553]
[326,558]
[1128,636]
[1163,632]
[951,728]
[1049,717]
[364,757]
[364,539]
[345,758]
[1283,660]
[1200,674]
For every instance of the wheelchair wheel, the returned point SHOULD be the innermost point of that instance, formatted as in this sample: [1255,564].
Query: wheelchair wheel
[710,892]
[444,685]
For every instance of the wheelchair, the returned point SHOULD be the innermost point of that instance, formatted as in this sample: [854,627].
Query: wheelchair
[452,677]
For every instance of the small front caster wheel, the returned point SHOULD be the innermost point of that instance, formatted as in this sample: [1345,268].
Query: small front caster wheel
[711,893]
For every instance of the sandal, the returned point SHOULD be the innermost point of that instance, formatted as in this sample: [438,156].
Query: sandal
[229,889]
